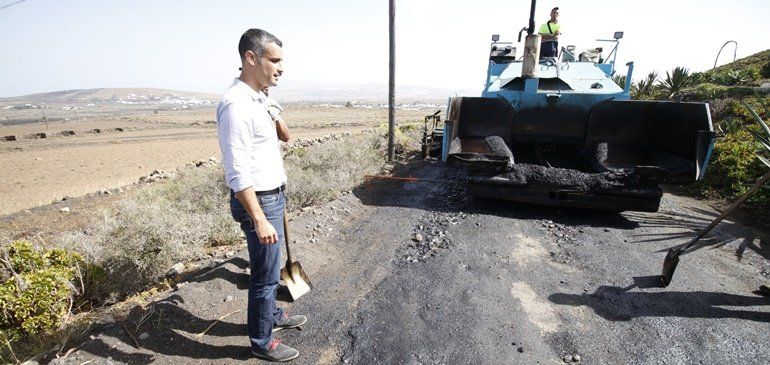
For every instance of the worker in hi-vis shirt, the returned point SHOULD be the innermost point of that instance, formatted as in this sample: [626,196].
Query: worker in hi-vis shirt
[549,45]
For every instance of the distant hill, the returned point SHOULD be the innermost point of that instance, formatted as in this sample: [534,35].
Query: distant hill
[287,91]
[117,95]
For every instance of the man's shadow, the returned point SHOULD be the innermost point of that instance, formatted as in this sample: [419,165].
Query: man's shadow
[173,330]
[624,304]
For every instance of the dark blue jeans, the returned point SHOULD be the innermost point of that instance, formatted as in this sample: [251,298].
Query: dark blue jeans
[265,262]
[549,49]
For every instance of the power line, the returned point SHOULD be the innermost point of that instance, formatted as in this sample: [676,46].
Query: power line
[11,4]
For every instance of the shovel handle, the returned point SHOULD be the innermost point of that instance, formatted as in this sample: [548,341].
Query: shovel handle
[286,237]
[761,181]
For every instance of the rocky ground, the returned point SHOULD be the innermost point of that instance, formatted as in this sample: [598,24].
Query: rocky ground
[420,273]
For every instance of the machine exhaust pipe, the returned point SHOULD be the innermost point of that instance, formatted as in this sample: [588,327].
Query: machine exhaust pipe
[531,28]
[531,47]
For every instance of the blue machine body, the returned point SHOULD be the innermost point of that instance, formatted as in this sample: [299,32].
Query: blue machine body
[575,83]
[573,116]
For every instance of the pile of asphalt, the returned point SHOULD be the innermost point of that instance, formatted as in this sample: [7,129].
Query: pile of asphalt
[497,146]
[552,177]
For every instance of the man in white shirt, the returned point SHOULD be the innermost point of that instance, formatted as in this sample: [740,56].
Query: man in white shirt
[254,172]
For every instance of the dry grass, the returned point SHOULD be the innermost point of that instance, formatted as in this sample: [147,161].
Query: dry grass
[138,239]
[318,174]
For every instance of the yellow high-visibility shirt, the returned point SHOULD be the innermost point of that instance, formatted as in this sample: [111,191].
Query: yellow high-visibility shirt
[544,29]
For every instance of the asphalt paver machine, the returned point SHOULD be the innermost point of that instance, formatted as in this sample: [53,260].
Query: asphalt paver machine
[559,131]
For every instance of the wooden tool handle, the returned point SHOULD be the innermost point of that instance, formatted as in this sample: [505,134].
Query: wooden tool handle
[762,180]
[286,237]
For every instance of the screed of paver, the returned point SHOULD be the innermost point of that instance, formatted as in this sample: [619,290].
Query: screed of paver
[538,311]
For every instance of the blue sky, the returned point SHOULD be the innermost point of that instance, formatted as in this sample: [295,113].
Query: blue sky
[52,45]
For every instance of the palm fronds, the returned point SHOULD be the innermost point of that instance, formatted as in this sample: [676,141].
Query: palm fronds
[676,81]
[762,138]
[620,80]
[646,86]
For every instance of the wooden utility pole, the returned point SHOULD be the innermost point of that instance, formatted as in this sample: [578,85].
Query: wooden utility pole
[392,80]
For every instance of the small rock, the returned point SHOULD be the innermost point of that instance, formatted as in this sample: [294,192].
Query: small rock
[229,299]
[176,269]
[520,350]
[306,209]
[417,237]
[606,230]
[144,336]
[567,358]
[65,210]
[576,358]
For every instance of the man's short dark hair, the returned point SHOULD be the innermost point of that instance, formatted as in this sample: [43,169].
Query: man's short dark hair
[256,40]
[556,8]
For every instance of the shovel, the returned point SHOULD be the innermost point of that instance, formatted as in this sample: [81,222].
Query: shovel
[295,278]
[672,258]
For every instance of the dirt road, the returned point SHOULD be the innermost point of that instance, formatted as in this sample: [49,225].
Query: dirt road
[423,274]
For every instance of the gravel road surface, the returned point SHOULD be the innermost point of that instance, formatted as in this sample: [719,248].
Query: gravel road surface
[420,273]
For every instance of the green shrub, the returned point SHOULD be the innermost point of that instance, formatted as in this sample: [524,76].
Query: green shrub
[709,91]
[24,258]
[39,291]
[734,165]
[765,70]
[733,77]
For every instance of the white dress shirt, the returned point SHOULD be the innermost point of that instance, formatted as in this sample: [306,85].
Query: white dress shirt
[248,139]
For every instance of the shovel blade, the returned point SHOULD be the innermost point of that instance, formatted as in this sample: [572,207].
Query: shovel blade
[669,266]
[297,281]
